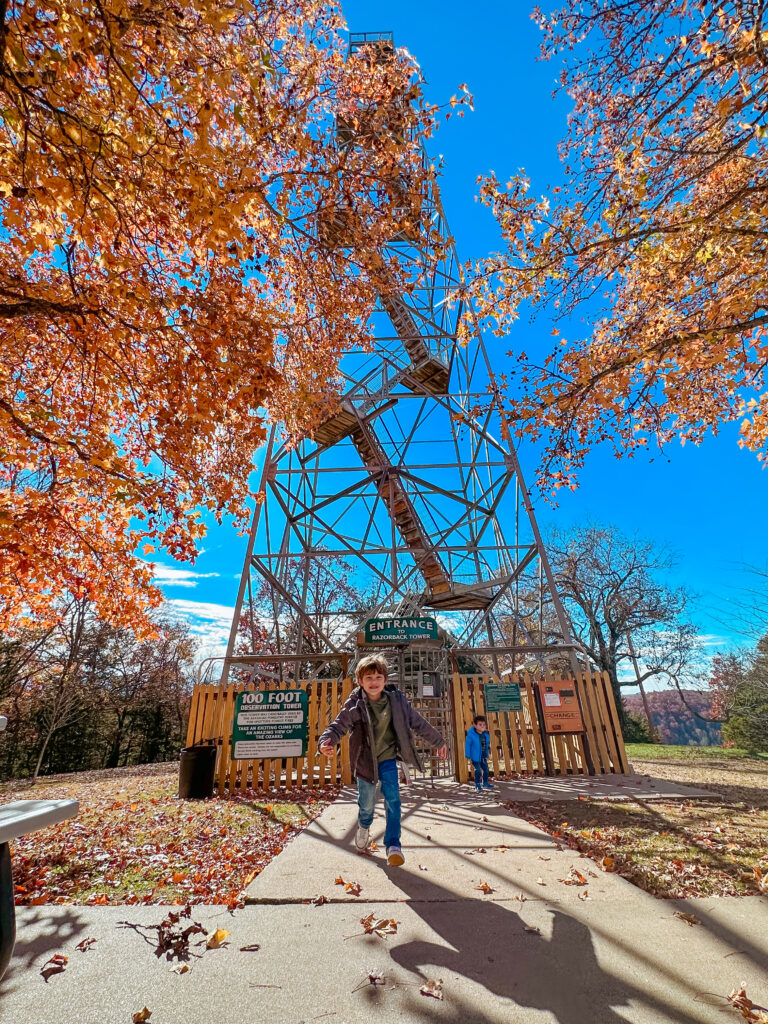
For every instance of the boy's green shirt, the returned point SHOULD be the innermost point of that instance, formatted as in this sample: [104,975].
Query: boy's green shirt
[384,739]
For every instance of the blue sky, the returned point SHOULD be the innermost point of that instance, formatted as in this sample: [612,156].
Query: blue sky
[705,503]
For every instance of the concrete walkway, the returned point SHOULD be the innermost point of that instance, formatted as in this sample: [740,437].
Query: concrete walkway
[530,951]
[599,787]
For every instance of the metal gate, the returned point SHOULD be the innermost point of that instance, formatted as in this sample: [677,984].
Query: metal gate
[423,676]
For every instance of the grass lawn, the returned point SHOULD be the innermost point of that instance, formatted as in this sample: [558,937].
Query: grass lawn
[660,752]
[134,841]
[675,849]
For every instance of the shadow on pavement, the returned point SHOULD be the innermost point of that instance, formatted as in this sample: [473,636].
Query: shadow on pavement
[61,927]
[560,974]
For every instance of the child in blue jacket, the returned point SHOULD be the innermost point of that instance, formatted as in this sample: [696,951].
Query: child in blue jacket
[476,749]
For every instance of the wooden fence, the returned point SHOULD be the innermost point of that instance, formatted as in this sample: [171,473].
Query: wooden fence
[517,738]
[518,741]
[210,721]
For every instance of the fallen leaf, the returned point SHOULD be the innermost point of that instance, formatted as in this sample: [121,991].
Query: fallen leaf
[250,949]
[85,945]
[689,919]
[422,868]
[545,858]
[179,968]
[55,965]
[353,888]
[374,978]
[574,878]
[217,940]
[318,901]
[522,897]
[607,863]
[749,1011]
[432,988]
[532,928]
[484,887]
[584,894]
[141,1016]
[540,881]
[340,881]
[378,926]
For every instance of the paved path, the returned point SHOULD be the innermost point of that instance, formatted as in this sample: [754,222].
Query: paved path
[599,787]
[549,958]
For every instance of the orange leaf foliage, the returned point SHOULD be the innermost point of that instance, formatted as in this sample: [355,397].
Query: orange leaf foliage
[164,285]
[657,240]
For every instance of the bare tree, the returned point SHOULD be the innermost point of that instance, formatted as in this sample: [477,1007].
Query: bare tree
[62,690]
[619,603]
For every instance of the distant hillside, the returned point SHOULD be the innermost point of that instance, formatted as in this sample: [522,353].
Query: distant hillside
[674,722]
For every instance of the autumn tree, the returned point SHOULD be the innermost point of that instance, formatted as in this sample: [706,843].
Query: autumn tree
[86,694]
[60,693]
[620,606]
[166,284]
[656,239]
[138,688]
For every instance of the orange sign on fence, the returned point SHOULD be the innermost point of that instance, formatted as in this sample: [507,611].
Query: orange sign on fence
[559,705]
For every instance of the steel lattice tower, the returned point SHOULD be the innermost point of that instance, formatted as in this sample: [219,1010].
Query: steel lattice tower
[405,485]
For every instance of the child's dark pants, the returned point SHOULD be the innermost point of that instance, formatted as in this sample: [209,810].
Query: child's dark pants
[481,771]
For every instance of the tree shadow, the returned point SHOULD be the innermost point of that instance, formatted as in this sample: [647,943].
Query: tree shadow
[490,946]
[61,926]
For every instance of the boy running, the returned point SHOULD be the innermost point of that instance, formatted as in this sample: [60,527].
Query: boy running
[382,724]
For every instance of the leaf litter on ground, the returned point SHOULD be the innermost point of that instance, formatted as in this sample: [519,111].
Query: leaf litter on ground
[749,1011]
[172,938]
[55,965]
[432,988]
[372,925]
[374,978]
[135,842]
[673,849]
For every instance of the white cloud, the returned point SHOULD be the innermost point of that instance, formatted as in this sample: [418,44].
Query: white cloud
[167,576]
[209,623]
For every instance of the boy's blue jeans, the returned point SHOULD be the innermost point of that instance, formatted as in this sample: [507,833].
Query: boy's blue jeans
[390,790]
[481,771]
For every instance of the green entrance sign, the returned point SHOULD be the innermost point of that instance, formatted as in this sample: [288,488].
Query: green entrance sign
[503,697]
[400,630]
[270,723]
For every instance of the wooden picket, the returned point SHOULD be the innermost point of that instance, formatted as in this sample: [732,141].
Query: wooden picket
[210,722]
[518,741]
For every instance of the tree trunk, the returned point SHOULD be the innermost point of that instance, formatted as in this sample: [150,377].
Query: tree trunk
[613,676]
[113,758]
[40,756]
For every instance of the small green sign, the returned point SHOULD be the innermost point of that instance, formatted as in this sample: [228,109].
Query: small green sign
[270,723]
[503,697]
[400,630]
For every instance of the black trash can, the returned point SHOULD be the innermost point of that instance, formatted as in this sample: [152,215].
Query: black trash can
[197,767]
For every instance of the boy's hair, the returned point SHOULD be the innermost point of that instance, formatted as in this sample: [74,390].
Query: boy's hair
[371,664]
[479,718]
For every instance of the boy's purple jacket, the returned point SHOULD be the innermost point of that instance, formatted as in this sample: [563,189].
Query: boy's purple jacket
[354,718]
[477,745]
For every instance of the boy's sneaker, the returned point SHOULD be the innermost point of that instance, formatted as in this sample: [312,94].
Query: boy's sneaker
[488,785]
[395,856]
[362,838]
[478,789]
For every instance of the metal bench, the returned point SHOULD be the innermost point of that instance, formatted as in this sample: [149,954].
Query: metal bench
[18,819]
